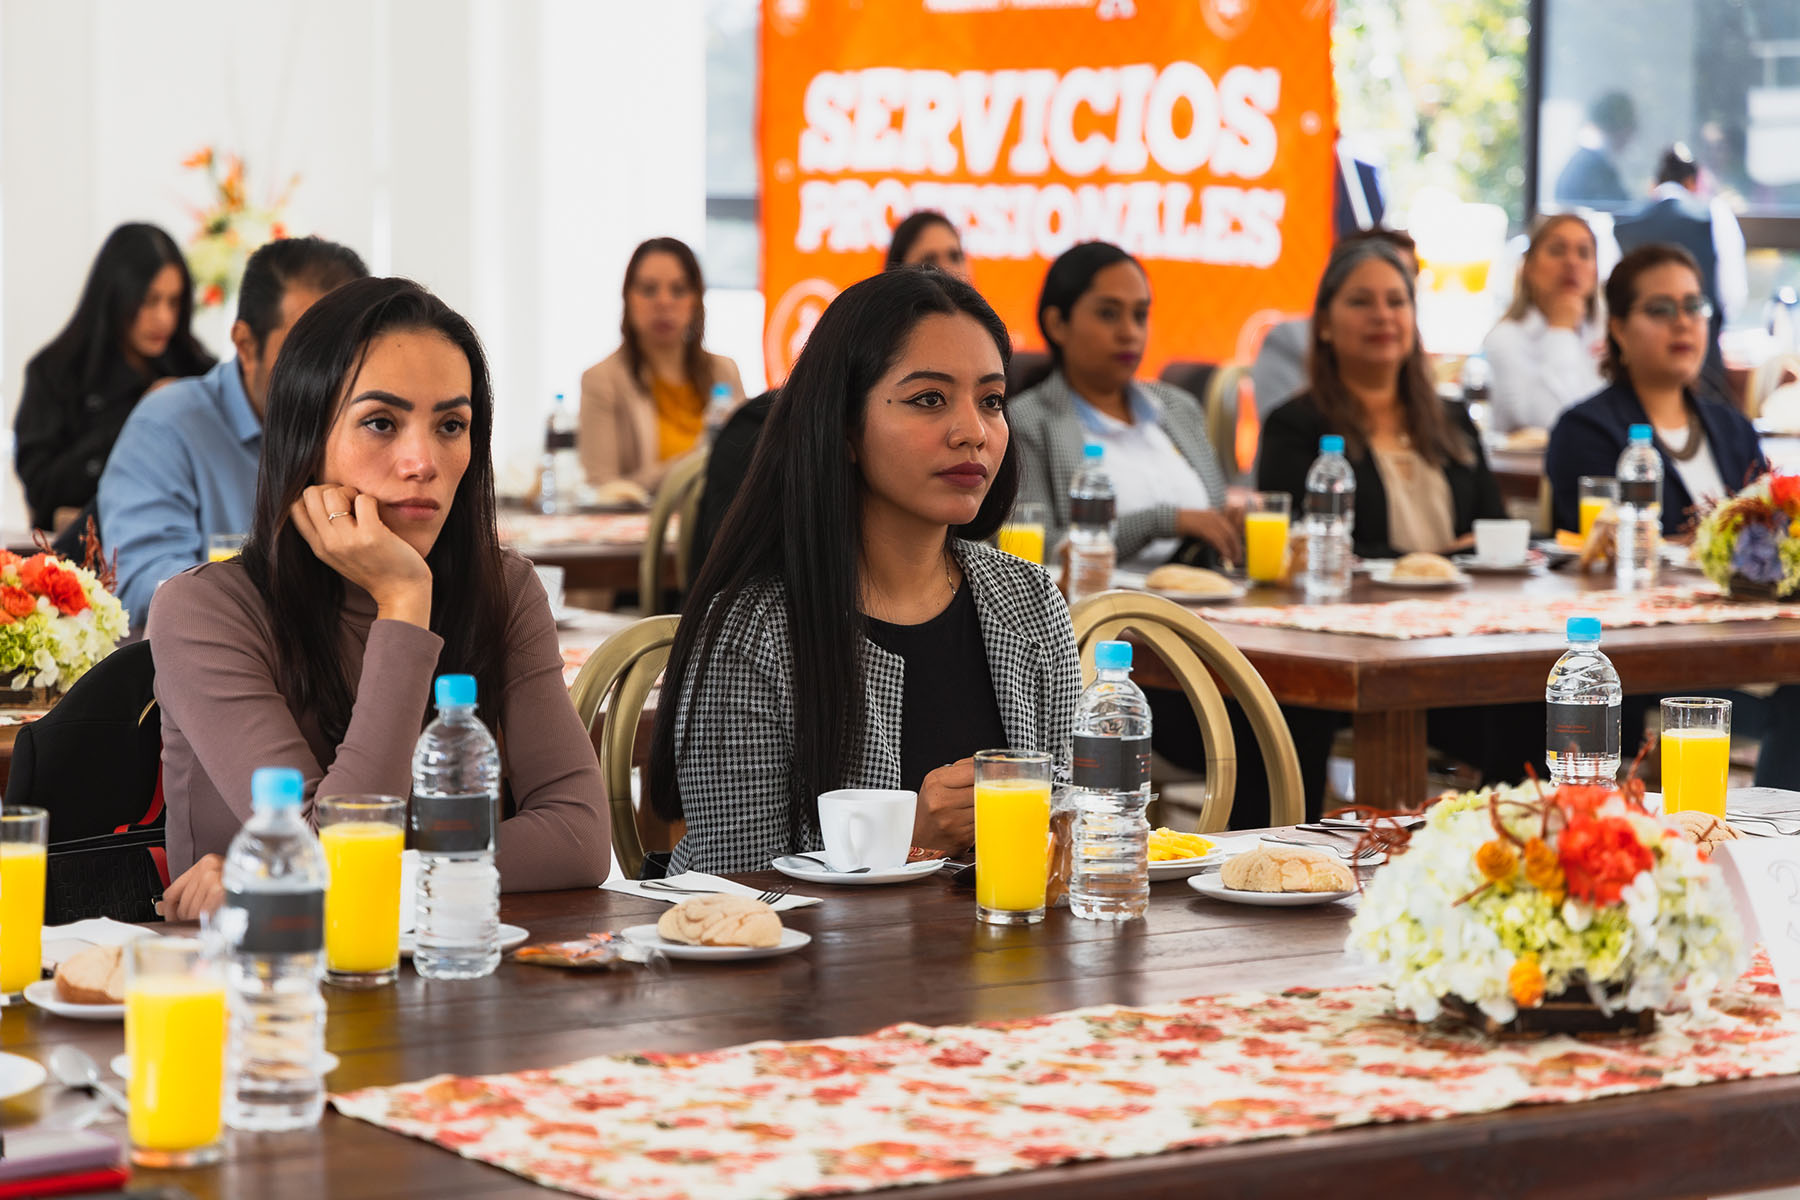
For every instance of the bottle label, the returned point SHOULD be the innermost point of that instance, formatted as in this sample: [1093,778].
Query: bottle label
[1583,729]
[1111,764]
[1329,504]
[559,440]
[453,824]
[1090,510]
[1638,492]
[281,922]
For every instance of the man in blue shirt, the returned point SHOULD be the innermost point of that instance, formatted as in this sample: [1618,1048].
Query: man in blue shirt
[184,467]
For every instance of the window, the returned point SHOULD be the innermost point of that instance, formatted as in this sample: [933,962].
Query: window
[732,205]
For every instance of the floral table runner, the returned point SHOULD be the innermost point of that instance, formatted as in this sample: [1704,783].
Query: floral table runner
[1464,616]
[532,531]
[911,1104]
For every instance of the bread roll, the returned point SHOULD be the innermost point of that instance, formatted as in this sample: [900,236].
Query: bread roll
[1703,829]
[1189,581]
[1424,566]
[92,976]
[1286,869]
[721,921]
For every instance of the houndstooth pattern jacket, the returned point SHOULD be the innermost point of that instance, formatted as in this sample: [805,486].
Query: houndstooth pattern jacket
[1050,438]
[734,742]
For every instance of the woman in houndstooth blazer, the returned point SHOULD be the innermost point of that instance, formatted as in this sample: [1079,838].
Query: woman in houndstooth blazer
[847,627]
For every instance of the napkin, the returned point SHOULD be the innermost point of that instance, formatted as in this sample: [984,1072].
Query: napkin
[700,883]
[60,941]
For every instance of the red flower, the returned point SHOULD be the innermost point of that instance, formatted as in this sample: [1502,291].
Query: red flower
[64,590]
[214,294]
[1786,491]
[31,572]
[16,601]
[1599,857]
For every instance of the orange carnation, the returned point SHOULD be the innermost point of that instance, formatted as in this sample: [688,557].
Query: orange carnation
[17,601]
[65,591]
[31,572]
[1599,857]
[1496,860]
[1526,982]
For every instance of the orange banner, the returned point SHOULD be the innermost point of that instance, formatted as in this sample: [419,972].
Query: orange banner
[1197,134]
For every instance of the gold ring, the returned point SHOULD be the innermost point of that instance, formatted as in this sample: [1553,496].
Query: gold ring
[334,516]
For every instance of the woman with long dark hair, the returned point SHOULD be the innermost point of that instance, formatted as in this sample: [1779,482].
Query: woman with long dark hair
[372,566]
[927,239]
[131,330]
[646,404]
[849,629]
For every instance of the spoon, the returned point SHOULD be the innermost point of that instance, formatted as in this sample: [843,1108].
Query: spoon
[813,858]
[74,1069]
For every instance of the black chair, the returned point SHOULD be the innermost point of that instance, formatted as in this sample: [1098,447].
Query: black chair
[1191,377]
[1027,369]
[71,542]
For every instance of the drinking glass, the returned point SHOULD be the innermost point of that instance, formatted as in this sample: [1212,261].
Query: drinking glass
[363,837]
[223,546]
[1696,754]
[1012,836]
[1598,495]
[175,1037]
[24,833]
[1023,533]
[1266,536]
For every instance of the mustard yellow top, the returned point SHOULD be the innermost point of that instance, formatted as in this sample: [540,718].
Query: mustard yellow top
[679,417]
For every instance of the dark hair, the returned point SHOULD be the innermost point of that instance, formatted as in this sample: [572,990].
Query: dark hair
[1433,436]
[798,519]
[1677,166]
[86,351]
[1622,296]
[1523,301]
[1068,280]
[307,390]
[1613,113]
[310,262]
[907,232]
[696,361]
[1399,239]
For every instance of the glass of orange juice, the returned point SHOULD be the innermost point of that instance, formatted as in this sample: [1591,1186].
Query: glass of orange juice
[1023,533]
[1266,536]
[223,546]
[1012,836]
[1696,754]
[24,833]
[175,1037]
[363,837]
[1598,494]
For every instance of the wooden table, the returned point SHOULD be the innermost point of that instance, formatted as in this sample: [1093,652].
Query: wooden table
[882,955]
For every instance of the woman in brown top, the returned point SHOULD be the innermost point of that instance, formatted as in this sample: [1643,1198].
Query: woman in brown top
[372,566]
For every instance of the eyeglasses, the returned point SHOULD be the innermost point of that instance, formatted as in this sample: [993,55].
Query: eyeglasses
[1668,309]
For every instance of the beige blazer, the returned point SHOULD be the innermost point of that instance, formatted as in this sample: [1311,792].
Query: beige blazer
[618,420]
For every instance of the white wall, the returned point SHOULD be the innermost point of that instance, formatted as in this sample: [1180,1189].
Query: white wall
[507,153]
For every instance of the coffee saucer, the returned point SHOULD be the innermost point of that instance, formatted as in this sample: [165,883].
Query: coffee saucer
[810,871]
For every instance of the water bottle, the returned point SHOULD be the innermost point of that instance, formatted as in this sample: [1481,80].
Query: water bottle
[456,806]
[718,410]
[1330,516]
[559,470]
[1092,504]
[274,919]
[1109,872]
[1581,741]
[1638,540]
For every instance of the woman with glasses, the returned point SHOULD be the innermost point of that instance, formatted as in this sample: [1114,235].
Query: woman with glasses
[1656,339]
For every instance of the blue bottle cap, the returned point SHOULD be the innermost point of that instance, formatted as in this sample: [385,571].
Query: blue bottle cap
[1331,443]
[1113,656]
[1093,450]
[1584,629]
[1640,435]
[455,691]
[276,787]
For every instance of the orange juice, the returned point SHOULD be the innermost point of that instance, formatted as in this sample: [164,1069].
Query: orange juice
[21,915]
[1026,541]
[1694,765]
[1592,507]
[362,905]
[1265,545]
[1012,843]
[175,1035]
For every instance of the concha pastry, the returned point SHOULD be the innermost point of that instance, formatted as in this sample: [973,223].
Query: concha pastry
[93,976]
[1189,581]
[1424,566]
[721,921]
[1703,829]
[1286,869]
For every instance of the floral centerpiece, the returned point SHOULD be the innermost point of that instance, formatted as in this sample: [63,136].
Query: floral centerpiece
[1509,896]
[228,228]
[56,619]
[1750,544]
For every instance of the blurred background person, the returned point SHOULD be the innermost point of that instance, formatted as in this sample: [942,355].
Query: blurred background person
[927,238]
[1591,176]
[1545,352]
[131,331]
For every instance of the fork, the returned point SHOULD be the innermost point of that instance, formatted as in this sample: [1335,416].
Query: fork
[1366,856]
[657,885]
[1786,828]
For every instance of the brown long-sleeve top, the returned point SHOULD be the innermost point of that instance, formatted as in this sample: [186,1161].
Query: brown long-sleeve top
[224,713]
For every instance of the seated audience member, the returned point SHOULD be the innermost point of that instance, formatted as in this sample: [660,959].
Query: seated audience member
[1656,339]
[372,567]
[849,628]
[1545,352]
[1421,477]
[184,467]
[130,333]
[1094,313]
[928,239]
[645,405]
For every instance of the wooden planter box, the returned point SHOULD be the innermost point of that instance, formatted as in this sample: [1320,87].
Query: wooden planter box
[1573,1013]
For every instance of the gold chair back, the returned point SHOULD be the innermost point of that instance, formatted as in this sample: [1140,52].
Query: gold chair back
[624,668]
[1195,652]
[679,497]
[1221,401]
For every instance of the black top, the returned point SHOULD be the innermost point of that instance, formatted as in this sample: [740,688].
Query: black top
[1290,443]
[726,465]
[947,707]
[63,434]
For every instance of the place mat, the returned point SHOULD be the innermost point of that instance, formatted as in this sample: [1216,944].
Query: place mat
[1465,616]
[911,1104]
[524,531]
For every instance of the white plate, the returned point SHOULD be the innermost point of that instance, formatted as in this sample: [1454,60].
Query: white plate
[1237,592]
[795,867]
[1181,868]
[510,936]
[121,1064]
[43,994]
[1476,566]
[1212,885]
[19,1075]
[1383,576]
[646,935]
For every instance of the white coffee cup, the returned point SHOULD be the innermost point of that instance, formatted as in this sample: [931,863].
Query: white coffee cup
[1502,543]
[867,827]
